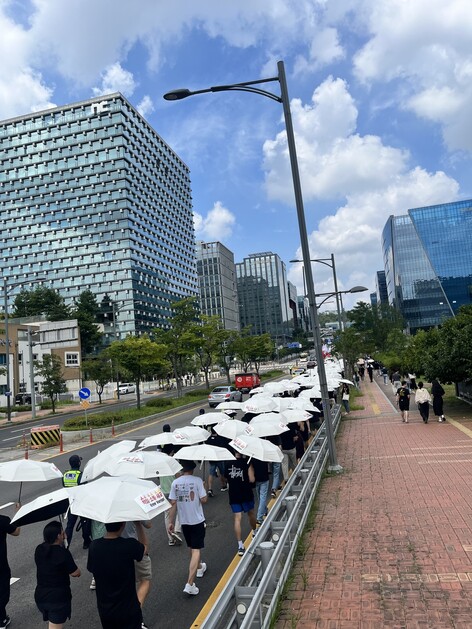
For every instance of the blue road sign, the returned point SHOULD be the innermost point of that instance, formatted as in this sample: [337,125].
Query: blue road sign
[84,393]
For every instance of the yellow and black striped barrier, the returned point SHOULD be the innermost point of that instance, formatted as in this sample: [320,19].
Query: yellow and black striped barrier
[42,436]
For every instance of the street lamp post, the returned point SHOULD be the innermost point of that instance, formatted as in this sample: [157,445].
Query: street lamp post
[115,310]
[249,86]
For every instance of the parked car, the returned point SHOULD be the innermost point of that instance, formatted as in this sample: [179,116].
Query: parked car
[23,398]
[246,381]
[127,387]
[224,394]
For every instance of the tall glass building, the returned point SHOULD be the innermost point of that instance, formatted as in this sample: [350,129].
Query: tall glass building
[263,296]
[428,262]
[217,283]
[93,198]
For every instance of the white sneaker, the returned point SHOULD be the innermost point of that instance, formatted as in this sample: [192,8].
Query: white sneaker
[191,589]
[92,585]
[201,571]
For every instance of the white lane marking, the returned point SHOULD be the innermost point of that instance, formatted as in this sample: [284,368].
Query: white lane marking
[10,439]
[7,504]
[14,580]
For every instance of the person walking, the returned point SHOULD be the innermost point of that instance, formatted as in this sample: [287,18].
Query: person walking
[370,371]
[403,401]
[54,567]
[216,468]
[143,568]
[345,395]
[437,392]
[423,398]
[385,374]
[288,442]
[240,477]
[6,528]
[111,561]
[71,478]
[396,381]
[187,497]
[261,475]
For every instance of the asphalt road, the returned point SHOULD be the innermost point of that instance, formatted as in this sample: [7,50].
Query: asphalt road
[166,607]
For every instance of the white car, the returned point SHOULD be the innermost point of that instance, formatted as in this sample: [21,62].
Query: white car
[127,387]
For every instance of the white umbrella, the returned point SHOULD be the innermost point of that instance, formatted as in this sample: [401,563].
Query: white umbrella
[195,434]
[290,415]
[144,465]
[259,404]
[230,428]
[204,452]
[267,417]
[192,434]
[209,419]
[97,465]
[346,381]
[274,388]
[298,403]
[22,470]
[117,499]
[42,508]
[257,448]
[229,406]
[256,390]
[265,429]
[308,394]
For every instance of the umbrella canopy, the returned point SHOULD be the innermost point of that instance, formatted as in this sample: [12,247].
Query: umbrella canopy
[195,434]
[209,419]
[204,452]
[294,415]
[256,390]
[298,403]
[264,418]
[257,448]
[144,465]
[308,394]
[265,429]
[259,404]
[28,470]
[273,388]
[186,436]
[117,499]
[43,508]
[229,406]
[97,465]
[230,428]
[346,381]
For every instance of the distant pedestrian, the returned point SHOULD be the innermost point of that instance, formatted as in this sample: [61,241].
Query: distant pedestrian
[111,561]
[288,440]
[356,379]
[361,372]
[396,381]
[403,401]
[187,497]
[6,528]
[438,392]
[385,374]
[423,398]
[261,475]
[216,468]
[345,397]
[370,371]
[412,381]
[71,478]
[241,477]
[54,567]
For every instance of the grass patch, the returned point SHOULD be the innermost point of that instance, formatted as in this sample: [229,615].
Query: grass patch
[353,401]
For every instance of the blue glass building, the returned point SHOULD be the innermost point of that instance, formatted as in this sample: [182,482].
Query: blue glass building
[428,262]
[93,198]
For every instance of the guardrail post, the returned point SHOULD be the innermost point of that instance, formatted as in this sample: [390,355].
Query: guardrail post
[243,596]
[61,443]
[26,451]
[267,550]
[91,435]
[112,427]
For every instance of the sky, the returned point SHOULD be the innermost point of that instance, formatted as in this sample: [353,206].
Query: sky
[380,91]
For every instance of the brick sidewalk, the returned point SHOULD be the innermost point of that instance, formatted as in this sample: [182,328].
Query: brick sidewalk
[391,541]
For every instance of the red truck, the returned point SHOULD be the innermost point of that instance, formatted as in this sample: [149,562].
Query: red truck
[246,381]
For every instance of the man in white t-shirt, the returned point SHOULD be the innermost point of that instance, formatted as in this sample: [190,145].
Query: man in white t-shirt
[187,495]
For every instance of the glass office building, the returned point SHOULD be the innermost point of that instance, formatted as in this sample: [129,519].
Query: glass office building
[93,198]
[428,262]
[217,283]
[263,296]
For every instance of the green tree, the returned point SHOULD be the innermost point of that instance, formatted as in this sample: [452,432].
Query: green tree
[226,352]
[87,311]
[207,343]
[140,358]
[41,301]
[53,383]
[260,349]
[242,348]
[98,369]
[350,345]
[375,324]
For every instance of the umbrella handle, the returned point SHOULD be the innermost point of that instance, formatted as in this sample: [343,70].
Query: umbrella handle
[19,496]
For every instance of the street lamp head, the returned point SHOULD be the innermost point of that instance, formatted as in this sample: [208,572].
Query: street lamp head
[177,94]
[357,289]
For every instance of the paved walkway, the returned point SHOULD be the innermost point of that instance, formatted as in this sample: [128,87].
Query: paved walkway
[391,542]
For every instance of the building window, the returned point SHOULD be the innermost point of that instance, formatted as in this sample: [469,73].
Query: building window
[72,359]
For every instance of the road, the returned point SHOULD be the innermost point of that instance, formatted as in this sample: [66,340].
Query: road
[167,607]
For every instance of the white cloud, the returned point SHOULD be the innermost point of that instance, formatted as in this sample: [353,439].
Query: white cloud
[146,106]
[325,49]
[217,225]
[116,79]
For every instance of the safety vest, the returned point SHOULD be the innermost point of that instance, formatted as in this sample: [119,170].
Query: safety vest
[71,478]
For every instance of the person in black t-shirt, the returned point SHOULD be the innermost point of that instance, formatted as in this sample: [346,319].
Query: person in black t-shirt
[54,566]
[111,560]
[403,401]
[240,477]
[6,528]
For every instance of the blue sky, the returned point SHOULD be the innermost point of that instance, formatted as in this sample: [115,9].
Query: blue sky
[381,94]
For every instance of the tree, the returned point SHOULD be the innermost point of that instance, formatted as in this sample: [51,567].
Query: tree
[260,348]
[207,343]
[227,340]
[350,344]
[242,348]
[375,323]
[50,370]
[140,357]
[87,311]
[98,369]
[180,339]
[41,301]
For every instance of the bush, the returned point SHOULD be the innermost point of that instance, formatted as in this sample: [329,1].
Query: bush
[17,408]
[160,403]
[198,393]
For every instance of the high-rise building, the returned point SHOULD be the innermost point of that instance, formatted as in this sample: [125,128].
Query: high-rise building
[381,288]
[217,283]
[93,198]
[428,262]
[263,296]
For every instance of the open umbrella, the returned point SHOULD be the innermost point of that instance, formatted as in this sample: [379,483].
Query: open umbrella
[267,417]
[144,465]
[204,452]
[230,428]
[195,434]
[346,381]
[259,404]
[192,434]
[22,470]
[298,403]
[294,415]
[117,499]
[265,429]
[229,406]
[209,419]
[97,465]
[43,508]
[257,448]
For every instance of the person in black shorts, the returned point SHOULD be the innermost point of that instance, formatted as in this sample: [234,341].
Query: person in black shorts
[240,478]
[54,567]
[6,528]
[403,401]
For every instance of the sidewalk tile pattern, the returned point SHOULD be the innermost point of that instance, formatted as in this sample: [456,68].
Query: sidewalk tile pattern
[391,542]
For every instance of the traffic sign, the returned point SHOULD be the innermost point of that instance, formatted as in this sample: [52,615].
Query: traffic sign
[84,393]
[84,404]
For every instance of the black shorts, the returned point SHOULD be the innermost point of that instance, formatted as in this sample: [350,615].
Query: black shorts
[194,535]
[57,613]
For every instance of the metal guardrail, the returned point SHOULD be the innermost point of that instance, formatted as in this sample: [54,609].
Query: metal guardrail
[250,596]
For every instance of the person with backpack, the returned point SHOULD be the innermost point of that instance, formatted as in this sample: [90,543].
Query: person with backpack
[437,392]
[403,401]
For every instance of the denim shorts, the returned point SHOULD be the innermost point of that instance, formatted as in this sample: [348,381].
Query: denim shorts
[243,507]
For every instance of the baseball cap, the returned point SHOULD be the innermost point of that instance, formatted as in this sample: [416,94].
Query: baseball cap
[75,460]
